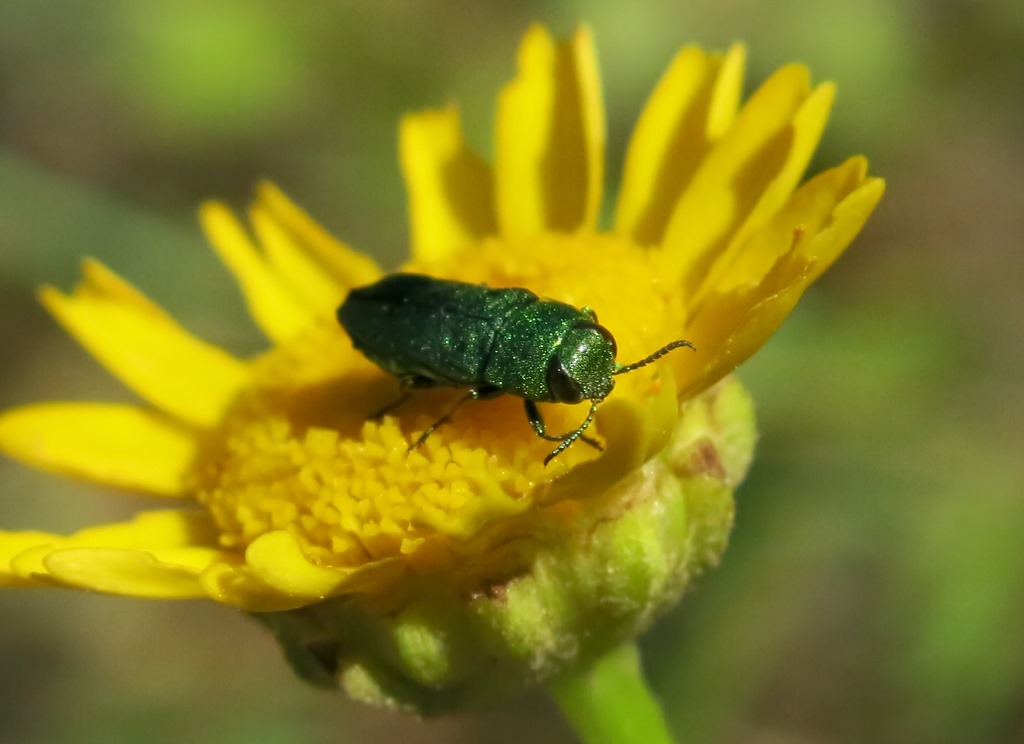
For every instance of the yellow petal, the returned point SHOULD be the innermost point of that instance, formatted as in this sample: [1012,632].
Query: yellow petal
[806,213]
[847,220]
[117,445]
[185,540]
[550,138]
[763,319]
[731,178]
[818,242]
[307,281]
[28,564]
[13,544]
[776,182]
[278,561]
[143,346]
[150,530]
[735,323]
[276,310]
[157,529]
[236,586]
[693,105]
[166,574]
[348,267]
[726,94]
[450,187]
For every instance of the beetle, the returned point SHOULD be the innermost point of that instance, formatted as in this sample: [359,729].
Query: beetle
[430,332]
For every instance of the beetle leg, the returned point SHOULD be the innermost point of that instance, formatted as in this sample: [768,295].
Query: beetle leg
[574,435]
[391,406]
[474,394]
[405,385]
[533,414]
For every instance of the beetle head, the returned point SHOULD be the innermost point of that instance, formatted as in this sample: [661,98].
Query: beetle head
[581,367]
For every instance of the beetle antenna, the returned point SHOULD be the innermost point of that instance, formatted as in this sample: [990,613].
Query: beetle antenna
[655,356]
[575,435]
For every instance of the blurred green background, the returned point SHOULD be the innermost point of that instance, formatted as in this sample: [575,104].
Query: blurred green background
[874,589]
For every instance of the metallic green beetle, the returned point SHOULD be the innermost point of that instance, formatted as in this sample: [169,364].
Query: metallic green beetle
[431,332]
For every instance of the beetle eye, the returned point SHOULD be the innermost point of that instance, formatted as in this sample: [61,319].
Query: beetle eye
[563,388]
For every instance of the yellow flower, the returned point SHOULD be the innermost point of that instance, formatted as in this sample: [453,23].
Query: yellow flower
[287,496]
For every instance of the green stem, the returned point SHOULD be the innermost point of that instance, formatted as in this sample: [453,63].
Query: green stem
[610,703]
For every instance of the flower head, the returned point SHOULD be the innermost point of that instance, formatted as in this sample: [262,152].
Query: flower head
[288,498]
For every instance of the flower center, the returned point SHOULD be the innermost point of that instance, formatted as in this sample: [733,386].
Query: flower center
[301,453]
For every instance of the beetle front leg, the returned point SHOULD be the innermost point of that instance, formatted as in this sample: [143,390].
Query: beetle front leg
[533,414]
[573,435]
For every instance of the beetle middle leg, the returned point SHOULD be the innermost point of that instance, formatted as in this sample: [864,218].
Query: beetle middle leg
[474,394]
[406,386]
[533,414]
